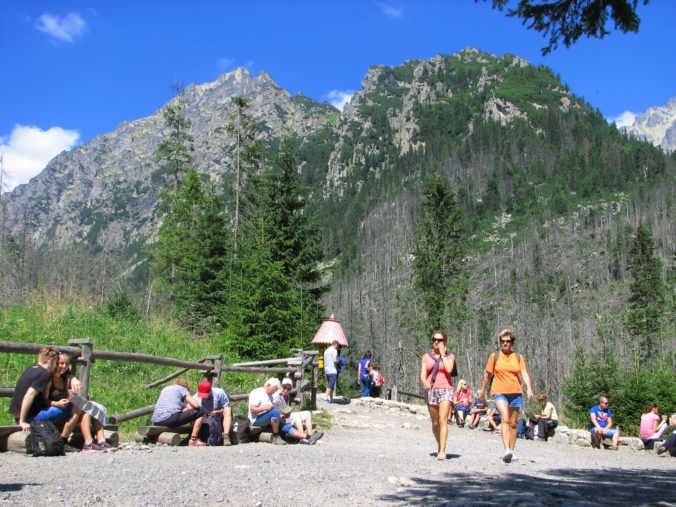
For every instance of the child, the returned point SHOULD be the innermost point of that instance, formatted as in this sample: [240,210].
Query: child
[377,380]
[478,410]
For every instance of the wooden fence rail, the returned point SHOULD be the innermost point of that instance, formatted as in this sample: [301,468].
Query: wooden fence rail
[84,354]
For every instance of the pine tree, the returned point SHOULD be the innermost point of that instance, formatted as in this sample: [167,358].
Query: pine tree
[647,299]
[278,276]
[440,277]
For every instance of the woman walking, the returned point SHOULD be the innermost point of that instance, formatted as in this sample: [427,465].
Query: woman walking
[436,366]
[508,370]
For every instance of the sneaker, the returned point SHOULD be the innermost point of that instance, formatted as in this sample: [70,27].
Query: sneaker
[315,436]
[327,400]
[488,428]
[304,441]
[196,442]
[471,426]
[69,448]
[278,440]
[92,447]
[614,448]
[661,450]
[507,457]
[226,440]
[105,446]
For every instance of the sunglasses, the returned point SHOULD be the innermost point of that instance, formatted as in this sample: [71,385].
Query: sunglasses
[505,341]
[437,339]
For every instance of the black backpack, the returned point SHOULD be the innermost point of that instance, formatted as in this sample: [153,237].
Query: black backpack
[46,439]
[240,429]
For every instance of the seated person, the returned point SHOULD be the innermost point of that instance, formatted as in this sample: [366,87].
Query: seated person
[669,445]
[300,421]
[214,428]
[462,401]
[60,400]
[546,420]
[478,410]
[377,380]
[601,424]
[652,426]
[175,407]
[494,419]
[262,410]
[28,401]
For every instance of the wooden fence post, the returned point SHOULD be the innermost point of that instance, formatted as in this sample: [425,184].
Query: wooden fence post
[86,358]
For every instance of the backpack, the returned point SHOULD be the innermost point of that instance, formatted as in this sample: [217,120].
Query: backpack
[45,439]
[435,369]
[240,429]
[377,379]
[212,429]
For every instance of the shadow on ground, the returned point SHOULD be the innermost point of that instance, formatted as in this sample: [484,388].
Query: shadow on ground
[562,487]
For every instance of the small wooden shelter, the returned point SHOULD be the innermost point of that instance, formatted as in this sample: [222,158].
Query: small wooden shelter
[329,331]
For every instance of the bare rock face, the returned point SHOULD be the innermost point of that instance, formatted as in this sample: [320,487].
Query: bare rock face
[657,126]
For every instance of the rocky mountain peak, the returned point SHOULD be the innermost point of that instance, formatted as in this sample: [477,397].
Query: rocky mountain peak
[657,125]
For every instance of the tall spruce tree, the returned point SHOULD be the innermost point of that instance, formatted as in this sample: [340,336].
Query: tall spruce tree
[648,296]
[440,276]
[279,279]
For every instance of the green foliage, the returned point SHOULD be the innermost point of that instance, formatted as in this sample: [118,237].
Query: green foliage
[647,299]
[121,306]
[440,277]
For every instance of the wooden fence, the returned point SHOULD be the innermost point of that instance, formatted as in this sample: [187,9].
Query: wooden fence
[83,354]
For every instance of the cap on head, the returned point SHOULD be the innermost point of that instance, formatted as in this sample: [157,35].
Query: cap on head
[286,381]
[204,389]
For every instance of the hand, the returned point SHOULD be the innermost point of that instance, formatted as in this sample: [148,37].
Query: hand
[24,426]
[442,349]
[529,393]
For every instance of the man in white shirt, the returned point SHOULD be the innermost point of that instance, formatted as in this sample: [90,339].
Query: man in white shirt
[330,370]
[262,411]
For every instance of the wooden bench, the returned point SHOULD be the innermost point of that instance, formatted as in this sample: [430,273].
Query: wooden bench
[5,433]
[161,434]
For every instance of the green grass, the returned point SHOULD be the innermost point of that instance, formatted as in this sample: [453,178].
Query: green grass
[120,386]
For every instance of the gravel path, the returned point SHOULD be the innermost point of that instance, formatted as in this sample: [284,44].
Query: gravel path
[376,453]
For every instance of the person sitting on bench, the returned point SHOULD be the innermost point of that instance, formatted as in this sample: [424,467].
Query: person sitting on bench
[176,407]
[262,411]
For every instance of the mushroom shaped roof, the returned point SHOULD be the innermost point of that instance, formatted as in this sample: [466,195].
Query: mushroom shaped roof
[330,330]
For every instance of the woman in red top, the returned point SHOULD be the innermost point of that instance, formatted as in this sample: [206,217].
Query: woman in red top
[508,372]
[436,366]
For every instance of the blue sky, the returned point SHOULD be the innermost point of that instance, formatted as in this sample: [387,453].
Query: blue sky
[74,69]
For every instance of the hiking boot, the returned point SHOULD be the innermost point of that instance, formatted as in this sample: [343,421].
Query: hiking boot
[661,450]
[304,441]
[226,439]
[278,440]
[315,436]
[196,442]
[471,426]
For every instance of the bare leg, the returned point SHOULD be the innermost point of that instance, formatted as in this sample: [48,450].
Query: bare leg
[513,425]
[86,427]
[434,415]
[503,408]
[227,420]
[444,411]
[196,427]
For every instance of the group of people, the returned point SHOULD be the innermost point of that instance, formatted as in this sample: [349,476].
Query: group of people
[48,391]
[368,376]
[505,373]
[210,414]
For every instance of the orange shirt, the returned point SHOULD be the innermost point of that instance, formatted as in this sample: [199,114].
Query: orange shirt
[506,379]
[443,379]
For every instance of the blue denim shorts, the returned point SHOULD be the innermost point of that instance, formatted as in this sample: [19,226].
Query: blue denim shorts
[268,417]
[610,433]
[512,400]
[332,378]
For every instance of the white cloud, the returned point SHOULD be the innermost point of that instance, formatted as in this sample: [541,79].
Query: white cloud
[624,120]
[226,63]
[338,98]
[390,10]
[62,28]
[27,150]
